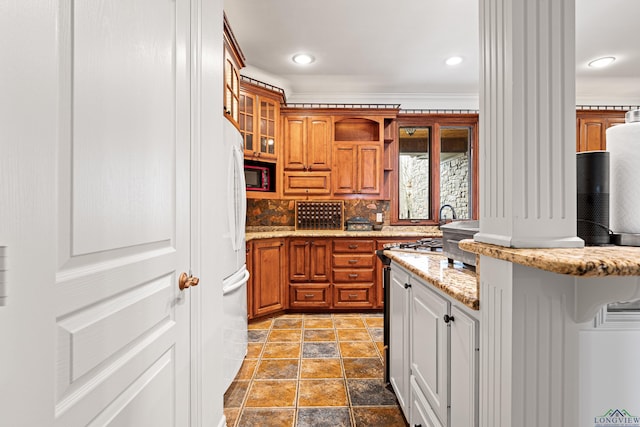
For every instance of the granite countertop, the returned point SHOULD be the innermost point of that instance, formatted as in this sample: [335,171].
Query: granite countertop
[590,261]
[266,232]
[455,280]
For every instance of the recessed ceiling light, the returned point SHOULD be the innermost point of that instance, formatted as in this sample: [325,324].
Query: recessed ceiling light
[602,62]
[454,60]
[303,58]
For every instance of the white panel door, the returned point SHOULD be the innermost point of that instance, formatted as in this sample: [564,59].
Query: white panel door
[122,324]
[464,380]
[430,347]
[399,337]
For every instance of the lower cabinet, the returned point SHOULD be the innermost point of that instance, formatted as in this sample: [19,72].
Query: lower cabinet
[268,292]
[399,337]
[433,353]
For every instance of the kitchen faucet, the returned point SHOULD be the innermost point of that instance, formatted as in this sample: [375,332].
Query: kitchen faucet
[453,212]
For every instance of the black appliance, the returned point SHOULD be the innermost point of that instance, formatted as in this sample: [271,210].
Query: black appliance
[592,170]
[422,245]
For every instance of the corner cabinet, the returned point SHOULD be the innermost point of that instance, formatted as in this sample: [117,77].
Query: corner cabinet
[233,62]
[433,354]
[306,155]
[259,119]
[268,284]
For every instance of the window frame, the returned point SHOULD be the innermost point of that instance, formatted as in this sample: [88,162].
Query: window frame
[435,122]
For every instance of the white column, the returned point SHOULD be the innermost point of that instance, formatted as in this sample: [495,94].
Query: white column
[527,123]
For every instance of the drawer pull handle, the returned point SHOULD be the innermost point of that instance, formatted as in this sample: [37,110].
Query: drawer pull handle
[353,261]
[308,295]
[353,275]
[353,296]
[353,246]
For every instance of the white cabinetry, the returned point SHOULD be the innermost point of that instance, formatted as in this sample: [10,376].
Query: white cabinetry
[430,346]
[433,350]
[464,371]
[399,337]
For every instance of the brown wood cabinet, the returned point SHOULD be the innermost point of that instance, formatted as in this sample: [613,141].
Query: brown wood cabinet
[307,155]
[591,128]
[353,273]
[233,62]
[357,168]
[259,120]
[268,282]
[309,273]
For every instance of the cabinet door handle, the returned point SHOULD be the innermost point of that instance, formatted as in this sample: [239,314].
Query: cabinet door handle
[353,261]
[353,246]
[448,318]
[407,285]
[353,275]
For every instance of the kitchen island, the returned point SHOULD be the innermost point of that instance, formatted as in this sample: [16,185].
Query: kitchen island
[433,311]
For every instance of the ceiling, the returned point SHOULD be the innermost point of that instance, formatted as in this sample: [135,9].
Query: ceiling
[380,51]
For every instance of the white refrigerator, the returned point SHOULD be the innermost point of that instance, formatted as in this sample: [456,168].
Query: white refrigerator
[233,262]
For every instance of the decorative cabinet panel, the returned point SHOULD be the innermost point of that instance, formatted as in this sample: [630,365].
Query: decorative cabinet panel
[268,277]
[591,128]
[233,62]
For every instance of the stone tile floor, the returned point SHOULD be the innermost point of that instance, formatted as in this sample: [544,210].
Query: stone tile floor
[313,370]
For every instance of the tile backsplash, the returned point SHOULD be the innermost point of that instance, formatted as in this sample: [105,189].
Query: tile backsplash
[277,213]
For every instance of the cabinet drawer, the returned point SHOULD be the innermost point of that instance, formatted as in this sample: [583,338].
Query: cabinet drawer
[310,295]
[354,275]
[353,296]
[348,246]
[353,260]
[307,182]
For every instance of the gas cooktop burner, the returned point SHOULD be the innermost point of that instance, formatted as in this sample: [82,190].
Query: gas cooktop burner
[426,244]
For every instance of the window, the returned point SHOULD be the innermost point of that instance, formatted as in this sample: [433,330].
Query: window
[436,166]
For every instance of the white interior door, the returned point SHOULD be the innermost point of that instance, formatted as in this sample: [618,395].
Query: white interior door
[122,324]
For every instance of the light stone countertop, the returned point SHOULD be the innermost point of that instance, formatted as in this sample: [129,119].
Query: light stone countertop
[254,233]
[455,280]
[590,261]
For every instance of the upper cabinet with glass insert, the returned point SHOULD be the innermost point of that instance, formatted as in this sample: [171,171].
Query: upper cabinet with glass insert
[436,169]
[259,119]
[233,62]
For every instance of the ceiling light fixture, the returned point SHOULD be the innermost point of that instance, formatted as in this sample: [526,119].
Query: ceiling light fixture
[303,58]
[410,131]
[454,60]
[602,62]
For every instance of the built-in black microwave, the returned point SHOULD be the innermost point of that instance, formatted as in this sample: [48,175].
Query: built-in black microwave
[258,178]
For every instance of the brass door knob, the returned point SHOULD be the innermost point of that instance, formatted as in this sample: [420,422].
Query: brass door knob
[186,281]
